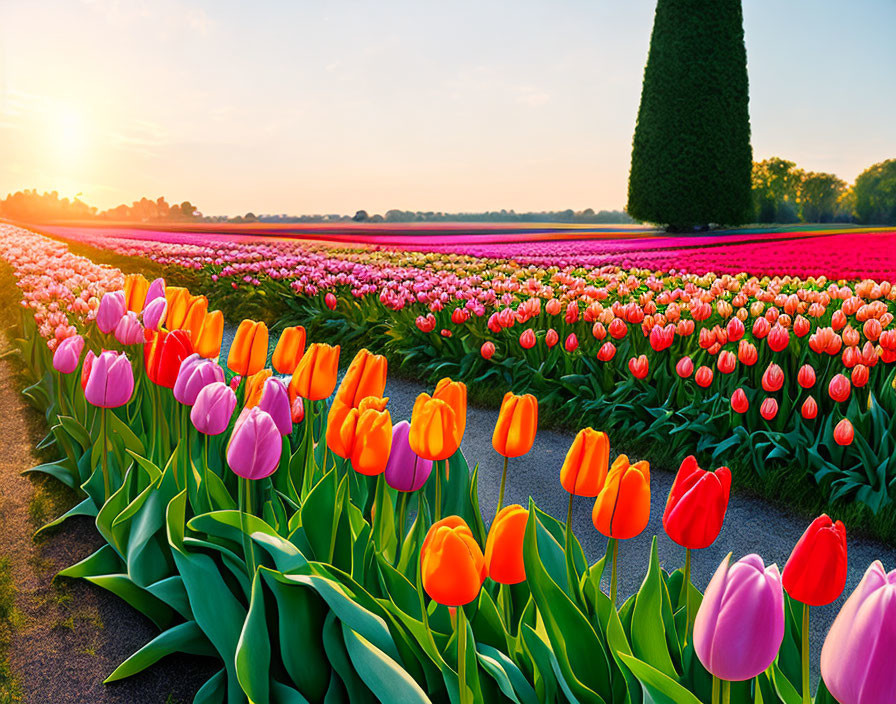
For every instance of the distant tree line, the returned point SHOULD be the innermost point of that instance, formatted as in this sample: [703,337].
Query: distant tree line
[784,193]
[31,206]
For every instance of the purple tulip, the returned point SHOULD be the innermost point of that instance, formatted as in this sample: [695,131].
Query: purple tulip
[112,309]
[156,290]
[67,354]
[405,470]
[129,331]
[195,373]
[275,401]
[111,380]
[213,408]
[857,656]
[254,448]
[155,312]
[740,624]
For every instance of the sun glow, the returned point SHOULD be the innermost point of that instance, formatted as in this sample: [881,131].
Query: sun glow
[66,135]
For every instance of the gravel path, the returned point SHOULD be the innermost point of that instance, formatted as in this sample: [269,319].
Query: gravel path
[751,524]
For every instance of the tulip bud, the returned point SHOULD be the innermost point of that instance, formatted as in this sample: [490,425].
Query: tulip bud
[405,470]
[156,290]
[213,408]
[735,329]
[452,565]
[194,374]
[606,352]
[67,354]
[685,367]
[154,313]
[249,350]
[769,408]
[433,433]
[289,350]
[739,402]
[487,350]
[112,308]
[129,331]
[366,376]
[839,388]
[504,547]
[639,366]
[773,378]
[551,338]
[843,432]
[315,375]
[297,410]
[695,509]
[815,574]
[622,508]
[809,408]
[110,382]
[254,449]
[527,339]
[275,401]
[163,355]
[517,424]
[703,377]
[806,376]
[726,362]
[740,623]
[330,301]
[584,470]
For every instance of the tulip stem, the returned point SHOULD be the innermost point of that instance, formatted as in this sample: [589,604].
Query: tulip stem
[402,512]
[807,696]
[461,654]
[613,572]
[726,692]
[685,594]
[716,684]
[569,521]
[104,456]
[205,472]
[501,492]
[438,506]
[245,499]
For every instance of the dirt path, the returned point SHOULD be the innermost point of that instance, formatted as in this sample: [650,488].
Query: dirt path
[66,635]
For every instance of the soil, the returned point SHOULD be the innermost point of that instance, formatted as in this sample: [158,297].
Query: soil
[66,635]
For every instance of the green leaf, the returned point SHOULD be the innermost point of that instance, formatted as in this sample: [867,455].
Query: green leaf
[648,633]
[253,652]
[661,688]
[385,677]
[183,638]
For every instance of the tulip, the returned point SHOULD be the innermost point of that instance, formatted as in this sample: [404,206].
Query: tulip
[208,342]
[695,511]
[366,436]
[254,448]
[297,409]
[330,301]
[86,367]
[433,434]
[639,366]
[572,343]
[452,565]
[843,432]
[454,393]
[366,376]
[857,656]
[487,350]
[110,381]
[769,408]
[584,470]
[197,311]
[315,376]
[255,387]
[703,377]
[778,338]
[806,376]
[726,361]
[515,430]
[275,401]
[773,378]
[213,408]
[135,288]
[289,350]
[129,331]
[405,470]
[551,338]
[809,409]
[839,388]
[740,623]
[527,339]
[67,354]
[622,507]
[154,313]
[156,290]
[735,330]
[747,354]
[815,574]
[194,374]
[685,367]
[163,356]
[606,352]
[178,302]
[739,402]
[504,546]
[112,308]
[249,349]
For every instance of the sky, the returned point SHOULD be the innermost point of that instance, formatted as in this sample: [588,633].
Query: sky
[469,105]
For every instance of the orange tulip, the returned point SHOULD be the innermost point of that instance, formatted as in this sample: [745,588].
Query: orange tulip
[289,350]
[433,433]
[584,470]
[255,387]
[516,426]
[195,317]
[339,411]
[208,342]
[366,436]
[451,563]
[504,547]
[315,376]
[249,350]
[135,288]
[365,376]
[178,301]
[623,506]
[454,393]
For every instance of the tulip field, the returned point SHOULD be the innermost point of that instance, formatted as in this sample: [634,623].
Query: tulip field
[263,507]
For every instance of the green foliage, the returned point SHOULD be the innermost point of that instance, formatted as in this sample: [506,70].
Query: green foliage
[819,196]
[692,158]
[776,187]
[875,194]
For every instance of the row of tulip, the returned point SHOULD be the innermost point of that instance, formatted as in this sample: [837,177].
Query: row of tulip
[277,538]
[765,373]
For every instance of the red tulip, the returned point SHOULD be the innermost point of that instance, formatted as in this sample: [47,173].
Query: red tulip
[685,367]
[598,331]
[801,326]
[330,301]
[618,328]
[806,376]
[487,350]
[839,388]
[778,338]
[809,408]
[703,377]
[761,328]
[735,330]
[859,376]
[815,574]
[572,343]
[164,353]
[747,354]
[773,378]
[695,509]
[769,408]
[639,366]
[527,339]
[838,320]
[843,432]
[739,402]
[606,352]
[551,338]
[726,361]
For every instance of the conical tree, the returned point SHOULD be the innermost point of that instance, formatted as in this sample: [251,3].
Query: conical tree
[691,158]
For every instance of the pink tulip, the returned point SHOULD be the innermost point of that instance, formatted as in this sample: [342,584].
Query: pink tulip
[275,401]
[156,290]
[129,331]
[110,382]
[254,448]
[112,308]
[213,408]
[67,354]
[195,373]
[155,312]
[857,656]
[740,624]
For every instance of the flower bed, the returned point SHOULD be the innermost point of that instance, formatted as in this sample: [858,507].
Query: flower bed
[323,553]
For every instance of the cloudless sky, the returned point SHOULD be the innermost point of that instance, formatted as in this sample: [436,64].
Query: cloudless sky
[461,105]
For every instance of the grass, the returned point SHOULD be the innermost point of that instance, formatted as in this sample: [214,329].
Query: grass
[10,692]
